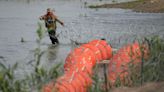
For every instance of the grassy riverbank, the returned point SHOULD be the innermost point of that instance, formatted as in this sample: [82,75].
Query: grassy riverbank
[151,6]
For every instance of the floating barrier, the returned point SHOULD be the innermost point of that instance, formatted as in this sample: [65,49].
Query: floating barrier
[80,62]
[118,65]
[78,67]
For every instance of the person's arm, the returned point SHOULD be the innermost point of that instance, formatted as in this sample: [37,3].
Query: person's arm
[58,20]
[42,17]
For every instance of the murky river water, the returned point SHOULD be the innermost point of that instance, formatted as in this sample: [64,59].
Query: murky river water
[18,19]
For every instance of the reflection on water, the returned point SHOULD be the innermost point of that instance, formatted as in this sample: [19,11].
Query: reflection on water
[51,52]
[19,20]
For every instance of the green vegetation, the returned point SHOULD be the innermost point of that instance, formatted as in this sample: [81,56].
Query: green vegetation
[8,82]
[154,66]
[31,83]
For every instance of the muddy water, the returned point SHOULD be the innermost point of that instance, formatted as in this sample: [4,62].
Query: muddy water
[19,18]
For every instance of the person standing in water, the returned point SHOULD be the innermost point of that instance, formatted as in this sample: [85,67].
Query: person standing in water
[50,23]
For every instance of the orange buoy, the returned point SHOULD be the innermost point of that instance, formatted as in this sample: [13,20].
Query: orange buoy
[67,85]
[118,66]
[97,41]
[103,51]
[59,88]
[63,82]
[68,60]
[81,64]
[107,53]
[89,56]
[95,50]
[78,81]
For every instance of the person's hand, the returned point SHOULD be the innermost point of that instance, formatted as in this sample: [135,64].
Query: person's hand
[62,23]
[41,18]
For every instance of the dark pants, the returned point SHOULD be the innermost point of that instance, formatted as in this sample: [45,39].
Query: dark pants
[53,38]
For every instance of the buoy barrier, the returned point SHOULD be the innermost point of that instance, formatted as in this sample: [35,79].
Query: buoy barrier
[81,61]
[91,51]
[118,65]
[75,82]
[107,47]
[78,67]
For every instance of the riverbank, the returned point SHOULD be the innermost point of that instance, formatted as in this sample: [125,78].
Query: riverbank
[150,6]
